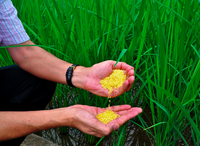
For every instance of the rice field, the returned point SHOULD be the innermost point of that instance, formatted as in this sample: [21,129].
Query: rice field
[160,38]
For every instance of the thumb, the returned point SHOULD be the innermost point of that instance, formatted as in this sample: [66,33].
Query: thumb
[115,126]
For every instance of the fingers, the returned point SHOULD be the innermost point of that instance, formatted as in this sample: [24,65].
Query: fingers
[115,124]
[129,115]
[130,80]
[123,66]
[134,109]
[116,108]
[119,108]
[129,71]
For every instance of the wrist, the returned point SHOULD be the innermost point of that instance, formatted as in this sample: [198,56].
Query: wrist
[66,117]
[79,77]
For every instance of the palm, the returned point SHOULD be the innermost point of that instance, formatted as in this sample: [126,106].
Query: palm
[96,75]
[88,123]
[104,69]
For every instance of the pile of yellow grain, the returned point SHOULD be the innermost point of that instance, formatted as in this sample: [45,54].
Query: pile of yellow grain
[107,116]
[114,81]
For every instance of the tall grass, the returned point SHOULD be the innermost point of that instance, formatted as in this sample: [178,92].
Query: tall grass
[160,38]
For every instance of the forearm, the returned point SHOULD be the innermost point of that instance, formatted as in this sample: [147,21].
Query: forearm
[41,63]
[17,124]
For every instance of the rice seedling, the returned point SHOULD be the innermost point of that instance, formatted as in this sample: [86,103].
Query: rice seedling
[5,58]
[160,38]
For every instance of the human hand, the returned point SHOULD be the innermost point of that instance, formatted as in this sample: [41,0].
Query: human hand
[101,70]
[84,118]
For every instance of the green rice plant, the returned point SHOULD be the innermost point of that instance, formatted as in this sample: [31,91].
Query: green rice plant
[162,76]
[90,138]
[120,139]
[99,141]
[160,38]
[5,58]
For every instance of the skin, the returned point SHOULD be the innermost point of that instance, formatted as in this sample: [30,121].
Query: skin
[42,64]
[82,117]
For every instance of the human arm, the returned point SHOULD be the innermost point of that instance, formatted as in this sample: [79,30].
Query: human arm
[41,63]
[82,117]
[21,123]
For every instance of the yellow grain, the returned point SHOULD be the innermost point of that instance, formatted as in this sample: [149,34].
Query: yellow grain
[107,116]
[114,81]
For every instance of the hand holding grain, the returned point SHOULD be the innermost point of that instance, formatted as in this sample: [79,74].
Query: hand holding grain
[102,70]
[84,118]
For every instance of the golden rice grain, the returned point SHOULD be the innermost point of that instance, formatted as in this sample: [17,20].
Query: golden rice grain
[107,116]
[115,80]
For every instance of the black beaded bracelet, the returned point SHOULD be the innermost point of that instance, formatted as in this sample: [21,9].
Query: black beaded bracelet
[69,74]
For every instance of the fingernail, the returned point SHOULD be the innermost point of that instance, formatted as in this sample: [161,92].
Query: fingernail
[115,127]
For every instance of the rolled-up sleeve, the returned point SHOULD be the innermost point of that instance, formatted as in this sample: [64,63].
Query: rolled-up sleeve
[12,31]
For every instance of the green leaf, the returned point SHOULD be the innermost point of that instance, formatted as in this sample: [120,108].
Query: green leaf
[120,56]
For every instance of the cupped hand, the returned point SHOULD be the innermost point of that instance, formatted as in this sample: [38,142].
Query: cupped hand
[84,118]
[102,70]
